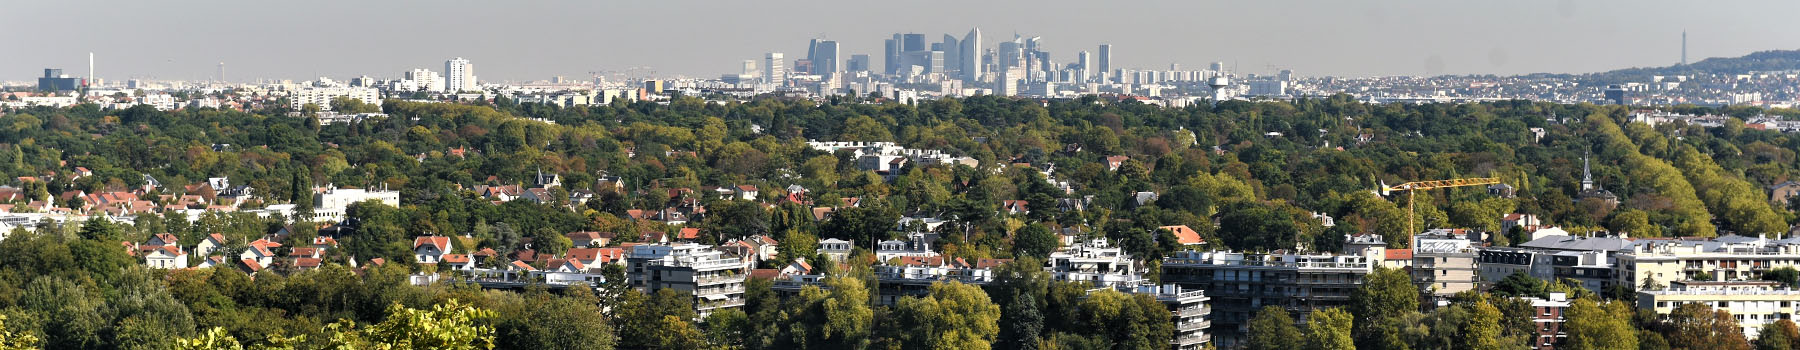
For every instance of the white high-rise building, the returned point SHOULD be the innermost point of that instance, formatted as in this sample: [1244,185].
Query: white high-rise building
[426,80]
[459,75]
[773,69]
[971,55]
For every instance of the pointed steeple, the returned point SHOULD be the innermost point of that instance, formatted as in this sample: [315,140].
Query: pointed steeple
[1587,177]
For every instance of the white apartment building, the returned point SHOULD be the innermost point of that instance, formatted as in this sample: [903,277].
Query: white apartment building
[331,203]
[1095,262]
[322,96]
[459,75]
[1726,258]
[1753,303]
[715,279]
[425,80]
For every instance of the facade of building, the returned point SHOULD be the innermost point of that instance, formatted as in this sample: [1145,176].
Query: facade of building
[1753,303]
[322,96]
[1095,262]
[1444,263]
[459,75]
[715,279]
[1239,284]
[1728,258]
[330,204]
[1549,320]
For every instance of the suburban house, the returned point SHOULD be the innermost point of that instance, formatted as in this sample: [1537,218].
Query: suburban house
[589,239]
[166,257]
[210,245]
[458,262]
[261,252]
[430,249]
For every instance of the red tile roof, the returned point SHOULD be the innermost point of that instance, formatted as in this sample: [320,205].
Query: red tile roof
[1398,254]
[1185,234]
[440,242]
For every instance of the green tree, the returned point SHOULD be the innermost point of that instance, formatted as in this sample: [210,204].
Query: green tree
[447,326]
[952,316]
[1781,334]
[1519,284]
[1035,240]
[1385,296]
[1329,329]
[1696,326]
[15,341]
[1482,330]
[1272,329]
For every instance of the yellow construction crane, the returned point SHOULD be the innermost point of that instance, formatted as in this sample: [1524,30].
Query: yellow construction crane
[1412,187]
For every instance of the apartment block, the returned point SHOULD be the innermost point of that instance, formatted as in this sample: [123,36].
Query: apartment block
[715,279]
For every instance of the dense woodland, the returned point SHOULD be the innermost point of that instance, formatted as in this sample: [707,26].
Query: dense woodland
[1246,175]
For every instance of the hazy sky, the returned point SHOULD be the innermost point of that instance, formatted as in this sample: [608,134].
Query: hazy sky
[530,40]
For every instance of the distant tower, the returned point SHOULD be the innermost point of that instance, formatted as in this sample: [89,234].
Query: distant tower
[1587,178]
[773,71]
[971,55]
[90,77]
[458,75]
[221,71]
[1086,63]
[1219,83]
[1105,60]
[1684,47]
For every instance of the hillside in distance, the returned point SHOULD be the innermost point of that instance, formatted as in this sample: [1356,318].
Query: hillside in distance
[1772,60]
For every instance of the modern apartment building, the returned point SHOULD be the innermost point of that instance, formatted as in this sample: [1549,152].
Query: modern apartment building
[1095,262]
[715,279]
[1753,303]
[1239,284]
[1444,262]
[1728,258]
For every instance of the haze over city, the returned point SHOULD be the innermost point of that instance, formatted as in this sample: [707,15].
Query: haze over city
[538,40]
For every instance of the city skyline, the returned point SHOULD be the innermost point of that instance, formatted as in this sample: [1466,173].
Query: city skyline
[537,41]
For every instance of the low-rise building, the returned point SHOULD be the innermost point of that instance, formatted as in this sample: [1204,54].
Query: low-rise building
[1753,303]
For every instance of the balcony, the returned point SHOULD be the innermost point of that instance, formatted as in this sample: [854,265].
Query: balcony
[1192,326]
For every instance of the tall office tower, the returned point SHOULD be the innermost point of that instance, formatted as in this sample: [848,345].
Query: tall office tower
[1105,59]
[935,62]
[971,55]
[858,63]
[1285,75]
[912,43]
[892,56]
[749,68]
[1086,63]
[1032,43]
[812,50]
[1009,54]
[773,69]
[952,54]
[1218,67]
[825,57]
[459,75]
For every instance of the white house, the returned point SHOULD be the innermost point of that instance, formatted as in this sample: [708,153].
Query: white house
[166,257]
[210,245]
[260,251]
[430,249]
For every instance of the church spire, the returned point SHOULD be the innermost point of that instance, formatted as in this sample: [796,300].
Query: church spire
[1587,177]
